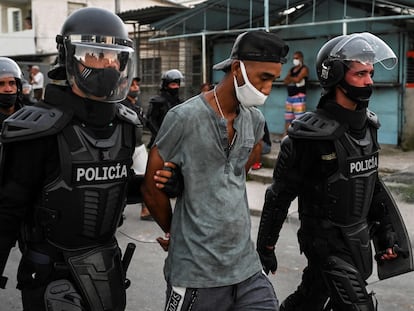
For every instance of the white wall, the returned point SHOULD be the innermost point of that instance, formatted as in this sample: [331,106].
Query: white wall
[48,17]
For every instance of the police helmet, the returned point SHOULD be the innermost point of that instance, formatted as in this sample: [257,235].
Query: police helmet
[172,75]
[9,68]
[332,58]
[98,55]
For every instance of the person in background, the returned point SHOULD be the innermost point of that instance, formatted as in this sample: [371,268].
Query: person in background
[140,156]
[295,80]
[10,88]
[27,23]
[214,138]
[37,81]
[27,97]
[329,160]
[160,104]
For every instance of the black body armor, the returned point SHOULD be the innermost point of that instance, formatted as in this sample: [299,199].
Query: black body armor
[333,171]
[90,191]
[158,108]
[344,197]
[73,222]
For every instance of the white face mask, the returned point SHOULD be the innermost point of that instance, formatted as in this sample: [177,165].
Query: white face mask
[296,62]
[247,94]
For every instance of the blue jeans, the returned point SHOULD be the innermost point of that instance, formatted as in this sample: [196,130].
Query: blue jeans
[254,294]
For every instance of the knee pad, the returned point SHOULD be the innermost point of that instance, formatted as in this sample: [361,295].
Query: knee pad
[348,291]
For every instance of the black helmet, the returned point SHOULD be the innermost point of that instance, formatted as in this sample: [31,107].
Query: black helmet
[97,53]
[9,68]
[172,75]
[334,55]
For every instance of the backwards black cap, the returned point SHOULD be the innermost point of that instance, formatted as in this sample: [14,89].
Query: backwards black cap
[257,45]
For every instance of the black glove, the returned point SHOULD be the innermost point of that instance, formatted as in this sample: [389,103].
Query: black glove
[268,259]
[175,184]
[396,250]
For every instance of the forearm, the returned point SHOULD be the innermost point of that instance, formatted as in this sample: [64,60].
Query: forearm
[255,156]
[155,199]
[159,206]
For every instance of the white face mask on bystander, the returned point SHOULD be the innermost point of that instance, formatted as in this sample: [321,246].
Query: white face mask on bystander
[247,94]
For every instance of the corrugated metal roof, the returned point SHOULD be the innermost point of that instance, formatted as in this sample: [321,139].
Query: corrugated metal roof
[151,15]
[230,15]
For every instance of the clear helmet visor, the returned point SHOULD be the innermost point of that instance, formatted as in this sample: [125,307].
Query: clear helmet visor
[103,71]
[364,48]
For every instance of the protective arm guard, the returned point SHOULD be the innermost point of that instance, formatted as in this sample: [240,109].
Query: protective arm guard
[389,231]
[277,202]
[379,214]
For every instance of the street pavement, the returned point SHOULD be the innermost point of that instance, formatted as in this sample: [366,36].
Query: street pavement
[147,291]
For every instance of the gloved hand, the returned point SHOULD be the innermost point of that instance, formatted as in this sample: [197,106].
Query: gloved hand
[390,253]
[174,185]
[268,259]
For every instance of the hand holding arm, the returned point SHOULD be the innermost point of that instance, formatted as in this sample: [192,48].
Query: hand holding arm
[169,179]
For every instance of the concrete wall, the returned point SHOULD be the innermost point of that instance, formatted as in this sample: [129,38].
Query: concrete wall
[407,138]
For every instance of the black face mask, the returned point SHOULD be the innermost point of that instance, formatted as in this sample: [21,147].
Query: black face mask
[173,92]
[359,95]
[97,82]
[133,94]
[7,100]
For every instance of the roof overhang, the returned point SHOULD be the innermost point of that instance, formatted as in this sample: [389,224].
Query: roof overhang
[150,15]
[234,16]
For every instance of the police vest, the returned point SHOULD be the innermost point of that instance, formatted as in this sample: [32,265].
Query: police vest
[345,196]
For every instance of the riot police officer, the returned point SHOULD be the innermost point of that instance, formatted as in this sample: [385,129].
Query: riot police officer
[10,87]
[65,204]
[330,162]
[168,98]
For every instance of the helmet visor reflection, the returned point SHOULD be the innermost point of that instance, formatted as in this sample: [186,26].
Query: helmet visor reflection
[364,48]
[102,56]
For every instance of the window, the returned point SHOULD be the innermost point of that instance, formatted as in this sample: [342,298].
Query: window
[73,6]
[14,19]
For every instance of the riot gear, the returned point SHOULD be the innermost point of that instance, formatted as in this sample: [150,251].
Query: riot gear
[330,162]
[98,56]
[68,204]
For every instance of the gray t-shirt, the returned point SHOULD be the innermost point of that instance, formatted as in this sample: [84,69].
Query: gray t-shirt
[210,243]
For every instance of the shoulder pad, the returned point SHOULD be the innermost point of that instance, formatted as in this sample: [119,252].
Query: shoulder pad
[127,114]
[373,119]
[34,122]
[315,126]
